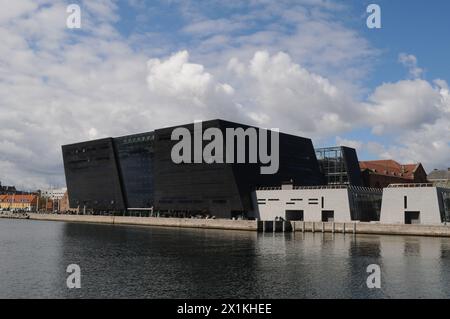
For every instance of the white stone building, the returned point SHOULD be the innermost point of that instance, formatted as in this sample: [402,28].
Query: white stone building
[318,203]
[415,204]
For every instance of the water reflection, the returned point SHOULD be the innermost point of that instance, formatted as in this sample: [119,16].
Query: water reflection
[122,262]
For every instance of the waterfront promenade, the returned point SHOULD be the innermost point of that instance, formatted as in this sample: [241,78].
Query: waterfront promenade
[261,226]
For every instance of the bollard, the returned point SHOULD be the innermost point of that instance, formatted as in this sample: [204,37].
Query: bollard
[343,228]
[313,227]
[303,227]
[323,227]
[333,228]
[284,226]
[274,226]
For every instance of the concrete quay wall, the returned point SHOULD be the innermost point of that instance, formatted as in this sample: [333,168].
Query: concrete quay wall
[262,226]
[225,224]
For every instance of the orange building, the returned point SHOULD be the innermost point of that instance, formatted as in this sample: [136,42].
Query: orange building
[382,173]
[18,202]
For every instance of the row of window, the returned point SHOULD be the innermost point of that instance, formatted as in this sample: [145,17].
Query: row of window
[138,139]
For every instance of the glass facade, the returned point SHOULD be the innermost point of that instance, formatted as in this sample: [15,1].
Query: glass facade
[340,165]
[445,213]
[365,203]
[331,162]
[135,157]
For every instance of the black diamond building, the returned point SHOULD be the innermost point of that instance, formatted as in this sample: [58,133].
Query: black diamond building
[135,173]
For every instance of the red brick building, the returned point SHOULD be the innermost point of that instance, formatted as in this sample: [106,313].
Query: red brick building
[382,173]
[65,206]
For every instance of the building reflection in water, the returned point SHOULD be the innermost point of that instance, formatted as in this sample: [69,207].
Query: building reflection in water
[120,261]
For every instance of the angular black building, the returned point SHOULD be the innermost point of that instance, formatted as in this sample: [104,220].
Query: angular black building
[136,173]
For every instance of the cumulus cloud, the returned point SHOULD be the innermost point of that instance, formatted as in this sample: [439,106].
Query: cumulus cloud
[274,90]
[267,90]
[404,105]
[185,82]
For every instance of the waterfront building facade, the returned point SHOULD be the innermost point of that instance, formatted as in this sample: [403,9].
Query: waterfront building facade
[136,175]
[332,203]
[18,202]
[415,204]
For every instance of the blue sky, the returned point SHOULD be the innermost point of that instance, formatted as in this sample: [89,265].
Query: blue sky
[421,28]
[418,27]
[307,67]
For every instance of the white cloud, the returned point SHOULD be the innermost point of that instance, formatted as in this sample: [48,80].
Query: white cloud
[357,145]
[410,61]
[404,105]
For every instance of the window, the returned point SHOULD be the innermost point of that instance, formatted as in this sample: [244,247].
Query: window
[294,215]
[412,218]
[328,215]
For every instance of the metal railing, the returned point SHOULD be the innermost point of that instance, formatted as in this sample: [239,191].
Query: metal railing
[410,185]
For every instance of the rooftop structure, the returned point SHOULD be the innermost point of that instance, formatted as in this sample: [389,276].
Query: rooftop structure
[440,178]
[382,173]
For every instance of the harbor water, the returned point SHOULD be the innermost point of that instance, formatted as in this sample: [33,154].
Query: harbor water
[154,262]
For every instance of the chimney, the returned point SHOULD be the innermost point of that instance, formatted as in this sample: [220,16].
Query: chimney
[287,185]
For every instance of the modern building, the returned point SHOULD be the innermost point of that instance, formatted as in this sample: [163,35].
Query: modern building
[338,203]
[340,165]
[415,204]
[440,178]
[382,173]
[17,202]
[136,174]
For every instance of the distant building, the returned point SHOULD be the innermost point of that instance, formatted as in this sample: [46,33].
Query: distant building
[382,173]
[7,189]
[18,202]
[54,194]
[339,165]
[440,178]
[64,204]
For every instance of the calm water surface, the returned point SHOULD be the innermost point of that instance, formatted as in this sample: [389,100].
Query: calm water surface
[140,262]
